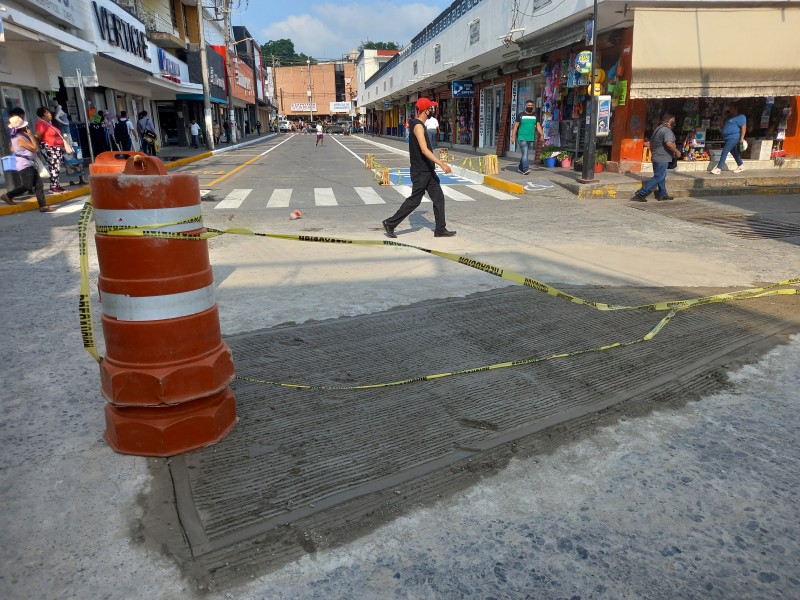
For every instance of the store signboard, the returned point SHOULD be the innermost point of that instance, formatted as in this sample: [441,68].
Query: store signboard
[340,107]
[387,105]
[603,116]
[118,34]
[63,11]
[72,62]
[170,69]
[304,107]
[583,62]
[588,28]
[463,89]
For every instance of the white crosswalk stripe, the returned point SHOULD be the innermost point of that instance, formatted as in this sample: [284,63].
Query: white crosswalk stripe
[405,191]
[492,192]
[344,196]
[324,197]
[233,200]
[455,195]
[280,198]
[369,195]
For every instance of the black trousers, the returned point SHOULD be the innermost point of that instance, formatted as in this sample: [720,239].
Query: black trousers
[31,183]
[425,181]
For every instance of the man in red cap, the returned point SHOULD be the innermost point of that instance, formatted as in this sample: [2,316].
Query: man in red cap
[423,175]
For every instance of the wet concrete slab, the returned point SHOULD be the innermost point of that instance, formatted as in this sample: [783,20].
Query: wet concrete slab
[337,458]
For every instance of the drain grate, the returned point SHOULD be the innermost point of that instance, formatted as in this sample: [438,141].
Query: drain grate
[745,226]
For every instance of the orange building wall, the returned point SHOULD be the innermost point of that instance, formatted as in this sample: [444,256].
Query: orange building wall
[291,87]
[792,142]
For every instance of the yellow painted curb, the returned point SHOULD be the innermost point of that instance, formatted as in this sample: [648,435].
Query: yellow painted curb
[31,204]
[503,185]
[187,160]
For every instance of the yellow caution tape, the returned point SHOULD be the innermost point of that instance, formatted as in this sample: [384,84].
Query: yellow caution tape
[514,363]
[84,298]
[672,306]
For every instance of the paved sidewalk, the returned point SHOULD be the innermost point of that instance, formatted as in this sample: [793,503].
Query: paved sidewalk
[171,155]
[783,180]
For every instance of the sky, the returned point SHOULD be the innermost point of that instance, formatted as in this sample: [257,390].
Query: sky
[333,28]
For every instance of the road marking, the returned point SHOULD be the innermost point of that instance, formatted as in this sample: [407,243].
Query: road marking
[252,160]
[457,196]
[538,185]
[233,200]
[405,191]
[369,195]
[280,198]
[324,197]
[485,189]
[204,193]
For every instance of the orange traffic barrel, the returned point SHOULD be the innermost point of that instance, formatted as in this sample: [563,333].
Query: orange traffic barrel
[111,162]
[164,350]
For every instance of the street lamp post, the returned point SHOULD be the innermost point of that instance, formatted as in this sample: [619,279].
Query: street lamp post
[590,142]
[310,106]
[209,125]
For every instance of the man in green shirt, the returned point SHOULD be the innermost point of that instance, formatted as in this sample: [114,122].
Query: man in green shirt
[525,129]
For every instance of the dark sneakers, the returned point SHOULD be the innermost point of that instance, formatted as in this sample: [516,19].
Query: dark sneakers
[389,230]
[638,198]
[443,233]
[667,197]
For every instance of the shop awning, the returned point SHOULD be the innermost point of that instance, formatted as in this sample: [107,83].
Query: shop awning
[722,53]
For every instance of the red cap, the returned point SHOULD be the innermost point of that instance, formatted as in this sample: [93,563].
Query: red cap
[425,104]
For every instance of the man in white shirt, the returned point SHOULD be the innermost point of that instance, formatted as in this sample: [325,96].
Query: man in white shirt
[194,129]
[432,131]
[320,136]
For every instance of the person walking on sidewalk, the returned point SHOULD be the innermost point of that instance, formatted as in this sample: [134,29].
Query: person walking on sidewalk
[733,129]
[51,141]
[24,148]
[525,129]
[663,149]
[124,132]
[226,125]
[432,131]
[423,175]
[147,133]
[320,136]
[194,129]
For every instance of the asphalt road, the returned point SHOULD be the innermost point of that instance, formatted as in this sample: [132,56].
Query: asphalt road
[684,500]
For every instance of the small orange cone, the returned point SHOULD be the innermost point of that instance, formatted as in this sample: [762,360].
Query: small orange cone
[296,214]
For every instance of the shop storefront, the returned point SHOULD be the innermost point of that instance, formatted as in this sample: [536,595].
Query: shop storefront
[693,75]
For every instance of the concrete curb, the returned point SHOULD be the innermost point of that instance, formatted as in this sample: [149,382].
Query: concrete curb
[503,185]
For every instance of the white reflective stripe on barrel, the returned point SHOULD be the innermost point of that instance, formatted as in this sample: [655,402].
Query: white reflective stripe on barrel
[141,217]
[157,308]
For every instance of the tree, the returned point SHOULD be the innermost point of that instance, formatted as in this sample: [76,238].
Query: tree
[284,53]
[378,46]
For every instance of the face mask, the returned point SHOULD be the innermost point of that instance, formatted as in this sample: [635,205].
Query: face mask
[529,109]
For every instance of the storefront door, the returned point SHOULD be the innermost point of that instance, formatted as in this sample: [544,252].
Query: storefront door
[493,111]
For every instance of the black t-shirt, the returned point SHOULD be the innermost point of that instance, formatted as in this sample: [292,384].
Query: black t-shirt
[419,162]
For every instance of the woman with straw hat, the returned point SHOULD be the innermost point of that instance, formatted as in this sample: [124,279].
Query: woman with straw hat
[24,148]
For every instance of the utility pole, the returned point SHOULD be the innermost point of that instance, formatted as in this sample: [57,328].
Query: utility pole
[310,105]
[226,8]
[590,142]
[209,125]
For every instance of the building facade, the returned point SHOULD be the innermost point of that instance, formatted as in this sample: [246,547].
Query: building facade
[482,59]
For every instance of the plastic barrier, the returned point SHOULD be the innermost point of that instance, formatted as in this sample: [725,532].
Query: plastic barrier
[164,353]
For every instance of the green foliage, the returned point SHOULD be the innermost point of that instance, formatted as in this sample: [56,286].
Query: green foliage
[550,151]
[282,51]
[601,157]
[378,46]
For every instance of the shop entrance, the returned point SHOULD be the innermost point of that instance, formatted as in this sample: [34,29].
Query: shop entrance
[493,111]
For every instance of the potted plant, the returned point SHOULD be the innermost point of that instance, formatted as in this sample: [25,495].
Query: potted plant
[549,156]
[600,159]
[565,159]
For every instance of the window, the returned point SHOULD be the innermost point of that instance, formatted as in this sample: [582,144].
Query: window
[538,4]
[437,53]
[416,68]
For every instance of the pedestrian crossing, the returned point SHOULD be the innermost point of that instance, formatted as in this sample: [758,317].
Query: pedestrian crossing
[344,196]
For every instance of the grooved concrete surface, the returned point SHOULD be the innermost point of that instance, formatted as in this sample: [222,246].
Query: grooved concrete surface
[296,453]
